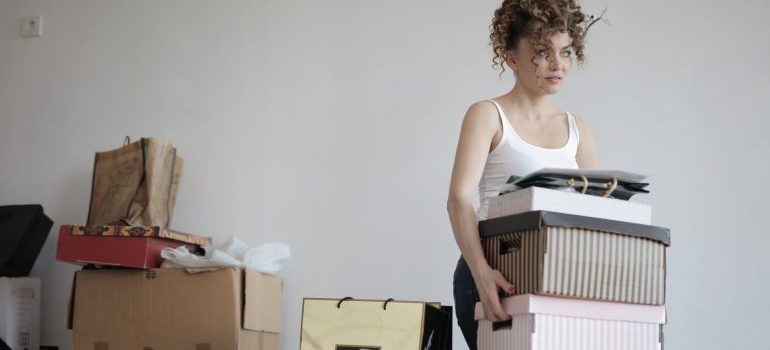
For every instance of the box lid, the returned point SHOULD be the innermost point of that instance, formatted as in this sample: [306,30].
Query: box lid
[539,219]
[135,231]
[23,231]
[142,252]
[581,308]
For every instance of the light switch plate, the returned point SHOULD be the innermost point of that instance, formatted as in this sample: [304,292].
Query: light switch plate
[32,27]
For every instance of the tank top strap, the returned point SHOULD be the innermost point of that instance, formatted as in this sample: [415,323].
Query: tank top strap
[573,129]
[503,120]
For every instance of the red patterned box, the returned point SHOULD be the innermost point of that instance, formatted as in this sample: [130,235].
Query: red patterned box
[126,246]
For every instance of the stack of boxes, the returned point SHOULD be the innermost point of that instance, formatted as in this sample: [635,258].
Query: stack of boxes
[583,281]
[123,299]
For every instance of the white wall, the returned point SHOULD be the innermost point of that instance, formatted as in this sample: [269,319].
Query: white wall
[331,126]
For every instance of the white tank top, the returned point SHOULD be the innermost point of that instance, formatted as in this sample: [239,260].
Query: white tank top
[514,156]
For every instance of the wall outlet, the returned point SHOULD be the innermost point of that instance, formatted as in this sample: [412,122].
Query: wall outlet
[32,27]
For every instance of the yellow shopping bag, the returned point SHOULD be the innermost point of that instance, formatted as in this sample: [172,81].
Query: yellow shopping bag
[352,324]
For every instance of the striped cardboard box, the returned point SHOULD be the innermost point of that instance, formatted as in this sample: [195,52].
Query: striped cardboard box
[579,257]
[552,323]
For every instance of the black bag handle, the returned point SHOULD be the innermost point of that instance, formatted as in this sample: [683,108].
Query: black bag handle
[343,299]
[384,305]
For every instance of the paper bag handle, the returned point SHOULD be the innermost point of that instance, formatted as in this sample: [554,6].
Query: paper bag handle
[384,305]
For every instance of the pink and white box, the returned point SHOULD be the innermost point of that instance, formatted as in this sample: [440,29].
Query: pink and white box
[554,323]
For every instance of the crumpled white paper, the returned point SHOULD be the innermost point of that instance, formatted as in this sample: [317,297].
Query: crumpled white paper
[266,257]
[232,253]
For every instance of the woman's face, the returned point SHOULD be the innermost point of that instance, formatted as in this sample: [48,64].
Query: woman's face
[542,71]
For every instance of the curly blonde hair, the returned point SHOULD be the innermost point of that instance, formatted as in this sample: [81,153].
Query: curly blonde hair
[536,20]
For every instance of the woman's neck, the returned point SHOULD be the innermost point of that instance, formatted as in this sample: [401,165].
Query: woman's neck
[528,105]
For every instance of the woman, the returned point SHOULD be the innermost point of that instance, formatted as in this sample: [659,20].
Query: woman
[514,134]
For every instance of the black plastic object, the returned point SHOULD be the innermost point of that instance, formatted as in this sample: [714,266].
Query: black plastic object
[23,231]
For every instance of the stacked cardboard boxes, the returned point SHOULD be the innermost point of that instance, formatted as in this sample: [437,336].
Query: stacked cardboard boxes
[583,282]
[146,307]
[123,299]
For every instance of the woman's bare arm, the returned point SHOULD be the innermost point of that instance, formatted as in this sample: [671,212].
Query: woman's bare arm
[479,128]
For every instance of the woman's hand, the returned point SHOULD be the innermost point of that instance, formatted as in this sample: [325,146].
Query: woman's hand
[488,283]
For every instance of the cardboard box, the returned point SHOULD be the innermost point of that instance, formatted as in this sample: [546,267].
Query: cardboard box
[576,256]
[537,198]
[357,324]
[126,246]
[541,323]
[173,309]
[23,231]
[20,312]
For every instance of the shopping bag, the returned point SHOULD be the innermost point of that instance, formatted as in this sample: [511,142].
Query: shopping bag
[348,324]
[597,182]
[135,185]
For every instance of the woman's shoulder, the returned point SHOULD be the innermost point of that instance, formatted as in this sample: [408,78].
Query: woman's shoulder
[482,112]
[579,120]
[581,123]
[586,153]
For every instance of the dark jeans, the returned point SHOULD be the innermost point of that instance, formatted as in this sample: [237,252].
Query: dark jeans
[466,297]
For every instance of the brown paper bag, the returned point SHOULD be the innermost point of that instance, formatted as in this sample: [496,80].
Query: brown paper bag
[135,184]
